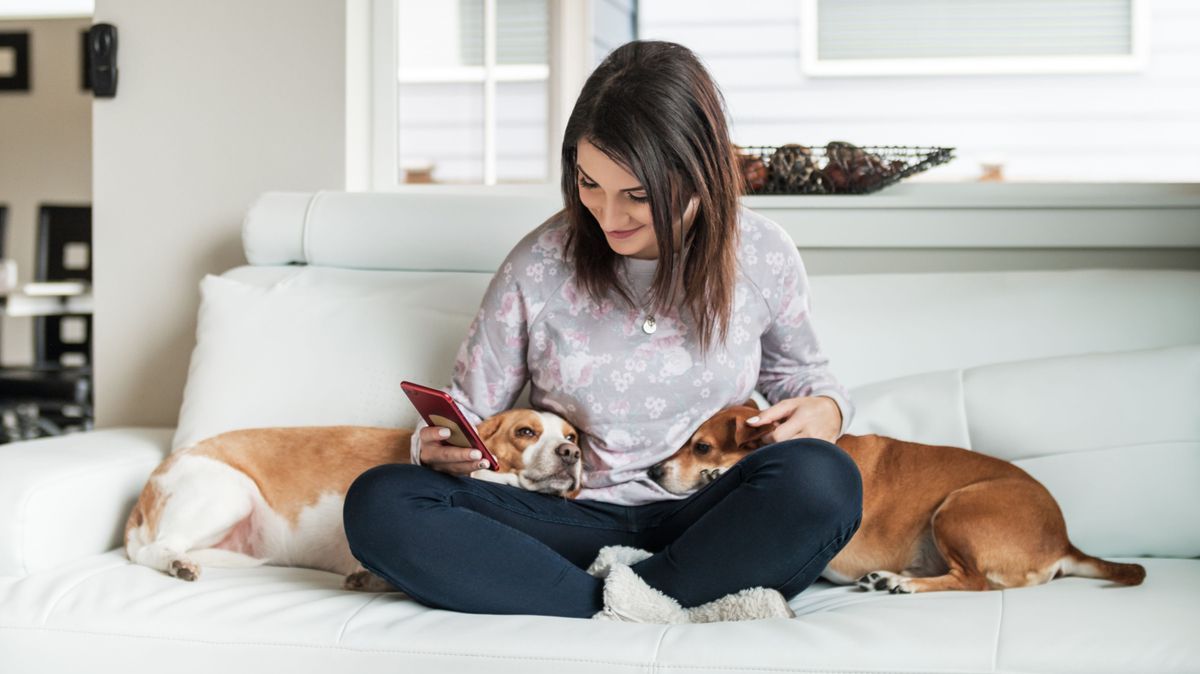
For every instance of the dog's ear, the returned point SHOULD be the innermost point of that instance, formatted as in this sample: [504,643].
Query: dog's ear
[488,430]
[751,403]
[751,437]
[489,427]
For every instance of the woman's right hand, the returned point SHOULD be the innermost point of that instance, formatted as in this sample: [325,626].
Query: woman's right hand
[447,458]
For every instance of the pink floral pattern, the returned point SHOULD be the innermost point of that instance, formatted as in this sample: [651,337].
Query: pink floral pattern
[637,397]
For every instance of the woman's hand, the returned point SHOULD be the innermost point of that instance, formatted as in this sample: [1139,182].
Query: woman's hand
[803,417]
[447,458]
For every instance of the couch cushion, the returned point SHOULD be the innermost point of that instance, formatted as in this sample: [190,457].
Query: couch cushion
[880,326]
[298,620]
[876,327]
[293,355]
[1114,436]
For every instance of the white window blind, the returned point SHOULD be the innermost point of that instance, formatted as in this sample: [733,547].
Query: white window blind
[521,31]
[878,37]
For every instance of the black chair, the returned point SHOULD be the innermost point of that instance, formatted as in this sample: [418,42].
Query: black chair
[54,395]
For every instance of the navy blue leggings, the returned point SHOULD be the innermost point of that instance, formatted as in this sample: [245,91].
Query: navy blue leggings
[774,519]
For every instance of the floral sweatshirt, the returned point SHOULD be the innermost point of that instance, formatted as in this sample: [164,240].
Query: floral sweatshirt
[635,397]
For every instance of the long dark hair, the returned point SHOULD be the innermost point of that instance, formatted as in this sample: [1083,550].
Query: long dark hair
[653,108]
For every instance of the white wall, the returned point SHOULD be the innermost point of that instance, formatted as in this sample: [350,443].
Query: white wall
[45,152]
[218,101]
[1131,126]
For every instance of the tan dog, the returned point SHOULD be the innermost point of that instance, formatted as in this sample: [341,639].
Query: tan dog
[275,495]
[934,518]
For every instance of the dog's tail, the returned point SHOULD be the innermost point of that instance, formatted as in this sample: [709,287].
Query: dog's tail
[1079,563]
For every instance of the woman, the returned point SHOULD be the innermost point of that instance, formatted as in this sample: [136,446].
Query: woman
[652,301]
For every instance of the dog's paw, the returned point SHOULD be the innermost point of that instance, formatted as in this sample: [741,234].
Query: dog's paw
[885,580]
[365,581]
[184,569]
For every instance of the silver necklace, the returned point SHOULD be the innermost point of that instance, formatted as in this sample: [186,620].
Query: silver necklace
[649,325]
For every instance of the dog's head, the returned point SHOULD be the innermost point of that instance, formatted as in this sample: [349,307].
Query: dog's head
[541,448]
[719,443]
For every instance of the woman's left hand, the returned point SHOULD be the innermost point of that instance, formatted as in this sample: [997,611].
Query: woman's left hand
[803,417]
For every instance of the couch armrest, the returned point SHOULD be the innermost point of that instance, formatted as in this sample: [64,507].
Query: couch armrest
[67,497]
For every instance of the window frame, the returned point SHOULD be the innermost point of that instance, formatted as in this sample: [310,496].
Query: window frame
[569,59]
[812,65]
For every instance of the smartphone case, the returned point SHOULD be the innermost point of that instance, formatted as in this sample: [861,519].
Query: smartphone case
[437,408]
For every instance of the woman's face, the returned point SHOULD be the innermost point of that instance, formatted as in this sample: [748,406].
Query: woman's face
[619,203]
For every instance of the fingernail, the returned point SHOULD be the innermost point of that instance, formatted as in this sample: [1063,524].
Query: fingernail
[483,464]
[475,454]
[752,420]
[445,432]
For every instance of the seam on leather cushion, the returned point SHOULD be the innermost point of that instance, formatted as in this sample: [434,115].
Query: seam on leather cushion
[1108,448]
[962,410]
[305,229]
[352,616]
[999,626]
[63,595]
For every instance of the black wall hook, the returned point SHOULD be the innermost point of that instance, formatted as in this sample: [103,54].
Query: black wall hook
[102,47]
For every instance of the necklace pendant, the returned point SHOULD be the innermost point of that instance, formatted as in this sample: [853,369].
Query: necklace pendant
[649,326]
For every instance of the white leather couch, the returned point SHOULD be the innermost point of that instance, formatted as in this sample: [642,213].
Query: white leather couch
[1090,380]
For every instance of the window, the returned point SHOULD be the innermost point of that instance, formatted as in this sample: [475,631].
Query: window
[478,91]
[472,100]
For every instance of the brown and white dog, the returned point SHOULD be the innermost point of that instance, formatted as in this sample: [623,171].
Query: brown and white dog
[275,495]
[934,517]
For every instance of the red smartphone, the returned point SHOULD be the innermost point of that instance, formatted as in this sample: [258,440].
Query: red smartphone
[437,408]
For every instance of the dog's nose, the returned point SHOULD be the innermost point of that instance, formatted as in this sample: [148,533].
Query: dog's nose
[568,453]
[655,471]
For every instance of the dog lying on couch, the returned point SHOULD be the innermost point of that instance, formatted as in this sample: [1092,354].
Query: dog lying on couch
[934,517]
[274,495]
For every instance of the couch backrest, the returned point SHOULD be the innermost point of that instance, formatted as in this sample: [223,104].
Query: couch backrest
[873,326]
[447,231]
